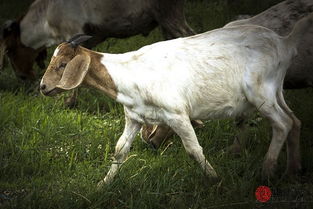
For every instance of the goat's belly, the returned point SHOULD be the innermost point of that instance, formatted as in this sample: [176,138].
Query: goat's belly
[147,115]
[224,110]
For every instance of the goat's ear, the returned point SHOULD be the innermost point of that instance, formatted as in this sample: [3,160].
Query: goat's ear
[74,72]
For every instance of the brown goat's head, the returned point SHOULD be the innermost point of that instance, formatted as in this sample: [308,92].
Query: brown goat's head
[21,57]
[67,69]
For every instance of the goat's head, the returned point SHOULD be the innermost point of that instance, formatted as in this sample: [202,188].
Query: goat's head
[67,69]
[21,57]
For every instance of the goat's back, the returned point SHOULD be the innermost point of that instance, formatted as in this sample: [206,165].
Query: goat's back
[203,73]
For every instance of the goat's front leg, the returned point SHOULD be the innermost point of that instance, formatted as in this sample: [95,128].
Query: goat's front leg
[183,127]
[122,148]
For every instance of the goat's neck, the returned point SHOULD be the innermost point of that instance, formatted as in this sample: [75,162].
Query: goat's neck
[98,76]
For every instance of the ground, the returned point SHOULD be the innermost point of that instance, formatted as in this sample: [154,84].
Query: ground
[52,156]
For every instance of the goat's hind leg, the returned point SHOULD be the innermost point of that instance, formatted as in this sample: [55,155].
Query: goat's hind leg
[293,139]
[183,127]
[281,125]
[265,98]
[122,148]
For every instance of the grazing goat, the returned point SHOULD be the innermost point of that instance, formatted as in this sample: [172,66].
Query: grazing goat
[280,18]
[50,22]
[224,73]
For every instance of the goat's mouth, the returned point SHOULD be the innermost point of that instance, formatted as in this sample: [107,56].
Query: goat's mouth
[52,92]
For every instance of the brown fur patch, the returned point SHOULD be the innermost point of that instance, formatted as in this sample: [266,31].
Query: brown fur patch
[98,76]
[66,50]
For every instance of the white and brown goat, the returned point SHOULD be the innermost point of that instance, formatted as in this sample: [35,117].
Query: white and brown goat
[224,73]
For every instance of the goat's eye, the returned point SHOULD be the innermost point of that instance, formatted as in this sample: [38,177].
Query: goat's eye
[62,65]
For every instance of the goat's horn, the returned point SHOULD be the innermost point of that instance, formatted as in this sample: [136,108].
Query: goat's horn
[78,39]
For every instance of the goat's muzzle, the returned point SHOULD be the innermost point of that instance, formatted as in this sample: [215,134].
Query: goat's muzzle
[42,87]
[46,92]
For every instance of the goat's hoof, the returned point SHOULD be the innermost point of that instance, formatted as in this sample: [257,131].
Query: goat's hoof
[107,180]
[268,171]
[214,179]
[212,175]
[101,184]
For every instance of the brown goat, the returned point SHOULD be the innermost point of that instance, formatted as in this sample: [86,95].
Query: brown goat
[50,22]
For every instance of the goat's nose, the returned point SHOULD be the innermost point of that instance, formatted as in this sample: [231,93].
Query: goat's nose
[42,86]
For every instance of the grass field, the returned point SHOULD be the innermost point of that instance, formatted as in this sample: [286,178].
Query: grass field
[53,157]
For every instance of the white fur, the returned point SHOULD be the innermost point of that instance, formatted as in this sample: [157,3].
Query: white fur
[224,73]
[204,76]
[219,74]
[56,51]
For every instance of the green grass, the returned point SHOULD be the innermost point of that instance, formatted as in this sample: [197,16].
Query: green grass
[53,157]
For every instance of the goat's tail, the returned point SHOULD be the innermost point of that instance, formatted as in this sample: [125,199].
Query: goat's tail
[301,27]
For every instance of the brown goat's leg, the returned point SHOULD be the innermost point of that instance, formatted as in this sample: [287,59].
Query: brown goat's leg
[240,139]
[156,135]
